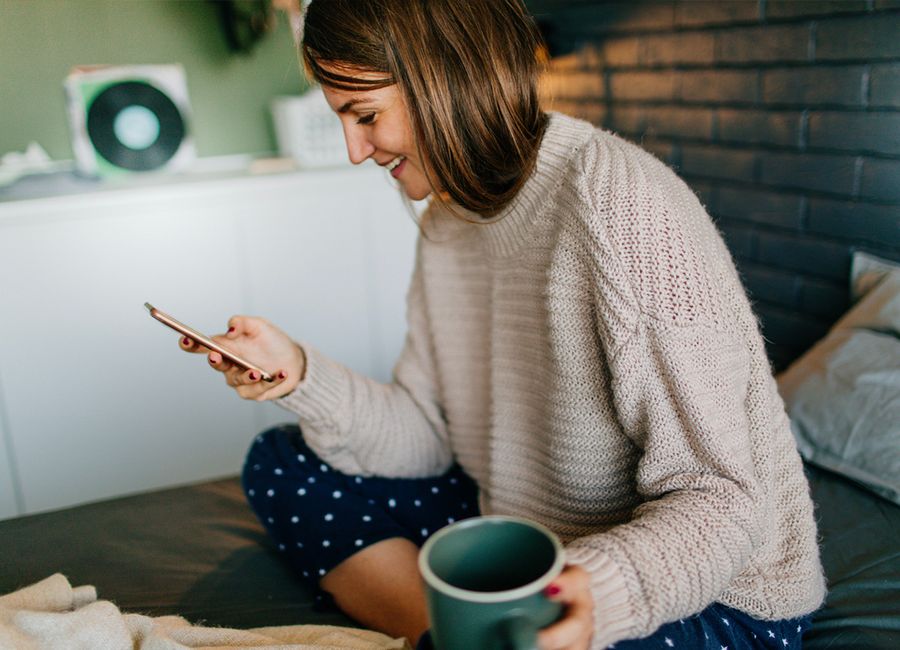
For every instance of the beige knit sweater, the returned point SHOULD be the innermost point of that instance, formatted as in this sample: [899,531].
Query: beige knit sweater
[592,361]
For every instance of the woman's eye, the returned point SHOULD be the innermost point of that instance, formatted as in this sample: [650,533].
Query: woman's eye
[366,119]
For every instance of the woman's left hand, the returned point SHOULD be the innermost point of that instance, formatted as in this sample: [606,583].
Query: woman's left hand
[574,630]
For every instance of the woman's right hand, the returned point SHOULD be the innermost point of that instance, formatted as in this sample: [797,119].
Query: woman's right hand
[259,341]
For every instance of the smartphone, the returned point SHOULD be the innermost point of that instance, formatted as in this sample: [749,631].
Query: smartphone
[205,341]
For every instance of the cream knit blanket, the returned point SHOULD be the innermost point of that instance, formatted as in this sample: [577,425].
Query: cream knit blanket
[53,615]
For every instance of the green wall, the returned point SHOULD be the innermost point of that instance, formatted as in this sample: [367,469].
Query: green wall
[40,40]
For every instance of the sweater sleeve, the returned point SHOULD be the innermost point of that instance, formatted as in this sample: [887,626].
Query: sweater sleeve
[681,397]
[361,426]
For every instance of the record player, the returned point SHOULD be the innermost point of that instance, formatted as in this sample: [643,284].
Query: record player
[129,119]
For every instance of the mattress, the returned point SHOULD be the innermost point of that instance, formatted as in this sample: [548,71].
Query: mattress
[199,552]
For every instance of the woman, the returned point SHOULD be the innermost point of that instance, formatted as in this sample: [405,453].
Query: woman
[579,344]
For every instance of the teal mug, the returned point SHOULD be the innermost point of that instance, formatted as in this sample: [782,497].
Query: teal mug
[485,579]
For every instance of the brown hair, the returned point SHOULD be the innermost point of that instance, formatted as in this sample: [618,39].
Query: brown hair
[468,72]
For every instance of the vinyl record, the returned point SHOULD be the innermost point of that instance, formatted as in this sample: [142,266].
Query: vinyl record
[135,126]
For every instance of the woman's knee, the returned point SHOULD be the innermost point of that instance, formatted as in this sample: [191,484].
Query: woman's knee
[266,452]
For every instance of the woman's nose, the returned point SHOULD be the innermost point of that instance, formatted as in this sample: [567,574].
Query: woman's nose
[358,146]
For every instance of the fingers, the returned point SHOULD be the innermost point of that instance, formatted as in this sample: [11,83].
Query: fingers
[574,630]
[249,385]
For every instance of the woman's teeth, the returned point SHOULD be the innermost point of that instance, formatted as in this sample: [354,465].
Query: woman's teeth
[396,161]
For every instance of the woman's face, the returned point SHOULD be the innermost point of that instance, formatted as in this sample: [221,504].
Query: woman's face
[376,125]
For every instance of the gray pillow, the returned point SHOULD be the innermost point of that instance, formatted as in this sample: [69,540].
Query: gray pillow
[843,395]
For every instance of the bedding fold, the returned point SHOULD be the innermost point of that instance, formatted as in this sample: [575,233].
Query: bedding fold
[52,614]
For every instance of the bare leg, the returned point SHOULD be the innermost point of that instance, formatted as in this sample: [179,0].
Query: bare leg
[381,588]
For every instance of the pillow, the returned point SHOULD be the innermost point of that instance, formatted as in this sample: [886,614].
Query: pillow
[866,271]
[843,395]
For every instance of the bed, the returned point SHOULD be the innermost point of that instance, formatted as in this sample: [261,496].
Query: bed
[199,552]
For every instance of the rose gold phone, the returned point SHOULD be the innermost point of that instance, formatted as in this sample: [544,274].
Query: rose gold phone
[205,341]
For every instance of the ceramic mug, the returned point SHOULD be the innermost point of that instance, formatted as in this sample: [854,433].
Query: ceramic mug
[485,579]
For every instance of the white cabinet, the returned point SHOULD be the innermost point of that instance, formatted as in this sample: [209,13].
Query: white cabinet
[96,396]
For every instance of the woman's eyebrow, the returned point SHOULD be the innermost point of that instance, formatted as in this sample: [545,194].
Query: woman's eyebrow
[350,104]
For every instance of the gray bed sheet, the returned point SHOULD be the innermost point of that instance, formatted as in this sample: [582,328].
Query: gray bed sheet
[199,552]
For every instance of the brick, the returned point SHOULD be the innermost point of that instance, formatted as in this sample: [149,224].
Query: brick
[694,13]
[881,180]
[680,48]
[821,298]
[573,85]
[795,8]
[887,4]
[761,207]
[763,44]
[732,86]
[841,86]
[806,255]
[870,132]
[627,119]
[885,85]
[750,126]
[876,36]
[819,172]
[856,221]
[679,122]
[642,85]
[620,52]
[706,192]
[770,285]
[593,112]
[741,241]
[714,162]
[793,331]
[662,149]
[598,18]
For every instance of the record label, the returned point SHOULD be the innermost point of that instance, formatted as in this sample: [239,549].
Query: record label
[135,126]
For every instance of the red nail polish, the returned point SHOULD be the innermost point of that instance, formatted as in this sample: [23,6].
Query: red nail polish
[551,590]
[186,341]
[253,376]
[281,375]
[230,330]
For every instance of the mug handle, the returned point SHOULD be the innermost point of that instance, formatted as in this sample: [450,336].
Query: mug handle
[519,632]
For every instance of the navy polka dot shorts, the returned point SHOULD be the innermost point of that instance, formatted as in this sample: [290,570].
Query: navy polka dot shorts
[318,517]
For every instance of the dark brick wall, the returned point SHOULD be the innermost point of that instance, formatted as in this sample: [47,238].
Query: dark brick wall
[783,115]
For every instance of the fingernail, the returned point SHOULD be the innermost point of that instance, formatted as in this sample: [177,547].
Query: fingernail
[281,374]
[230,330]
[551,590]
[253,376]
[186,341]
[213,361]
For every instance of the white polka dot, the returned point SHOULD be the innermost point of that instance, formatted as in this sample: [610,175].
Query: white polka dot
[329,517]
[424,532]
[321,572]
[417,503]
[301,458]
[450,520]
[301,491]
[259,439]
[371,502]
[281,547]
[252,493]
[256,467]
[465,506]
[295,519]
[367,518]
[270,493]
[279,471]
[453,481]
[299,544]
[326,543]
[323,467]
[271,521]
[392,503]
[336,494]
[434,490]
[306,574]
[311,479]
[358,480]
[359,542]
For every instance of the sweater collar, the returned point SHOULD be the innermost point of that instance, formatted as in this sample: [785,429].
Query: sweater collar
[514,225]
